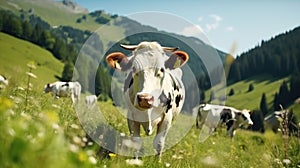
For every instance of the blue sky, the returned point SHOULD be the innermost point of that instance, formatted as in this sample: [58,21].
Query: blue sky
[243,24]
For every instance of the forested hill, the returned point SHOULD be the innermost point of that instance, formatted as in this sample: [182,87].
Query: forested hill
[51,25]
[279,56]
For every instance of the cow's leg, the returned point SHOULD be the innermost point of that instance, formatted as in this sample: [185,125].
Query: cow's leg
[73,98]
[159,140]
[134,128]
[230,131]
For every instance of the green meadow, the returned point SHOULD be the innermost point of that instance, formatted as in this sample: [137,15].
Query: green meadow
[16,54]
[39,131]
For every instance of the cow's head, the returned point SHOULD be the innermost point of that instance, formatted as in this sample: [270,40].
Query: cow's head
[246,117]
[147,69]
[47,88]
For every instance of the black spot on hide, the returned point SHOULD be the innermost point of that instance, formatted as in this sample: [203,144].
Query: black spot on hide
[177,99]
[66,84]
[175,86]
[226,117]
[166,100]
[128,82]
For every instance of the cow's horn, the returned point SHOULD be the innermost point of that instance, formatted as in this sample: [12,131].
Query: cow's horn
[170,49]
[128,47]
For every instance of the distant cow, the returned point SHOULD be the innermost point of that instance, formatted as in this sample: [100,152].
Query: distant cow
[90,101]
[273,120]
[3,82]
[153,88]
[214,115]
[64,89]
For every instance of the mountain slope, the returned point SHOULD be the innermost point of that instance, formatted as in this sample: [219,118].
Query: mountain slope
[16,54]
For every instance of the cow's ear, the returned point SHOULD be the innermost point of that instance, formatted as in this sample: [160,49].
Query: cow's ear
[177,59]
[48,85]
[117,60]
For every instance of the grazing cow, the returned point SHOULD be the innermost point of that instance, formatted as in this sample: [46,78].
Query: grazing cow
[64,89]
[214,115]
[153,89]
[90,101]
[3,81]
[273,120]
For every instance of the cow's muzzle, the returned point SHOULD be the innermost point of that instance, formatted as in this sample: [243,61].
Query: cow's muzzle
[145,101]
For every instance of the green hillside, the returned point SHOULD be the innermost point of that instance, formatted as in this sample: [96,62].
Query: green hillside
[262,84]
[243,99]
[57,14]
[16,54]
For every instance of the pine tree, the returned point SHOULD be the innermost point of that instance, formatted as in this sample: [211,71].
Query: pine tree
[258,120]
[231,92]
[276,106]
[263,105]
[283,95]
[67,73]
[250,88]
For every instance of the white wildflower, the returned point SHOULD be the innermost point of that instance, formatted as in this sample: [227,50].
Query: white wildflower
[286,161]
[90,143]
[134,162]
[20,88]
[84,139]
[74,148]
[55,106]
[177,157]
[93,160]
[11,132]
[55,126]
[277,161]
[31,65]
[76,140]
[168,164]
[74,126]
[31,74]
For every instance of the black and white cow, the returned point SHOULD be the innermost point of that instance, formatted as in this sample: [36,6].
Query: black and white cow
[3,81]
[273,121]
[64,89]
[153,88]
[214,115]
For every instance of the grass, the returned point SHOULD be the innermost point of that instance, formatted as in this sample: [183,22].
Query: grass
[49,134]
[16,54]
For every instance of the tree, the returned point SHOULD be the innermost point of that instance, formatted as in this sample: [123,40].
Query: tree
[294,86]
[67,73]
[283,95]
[231,92]
[251,87]
[276,106]
[27,30]
[235,72]
[258,120]
[36,34]
[263,105]
[102,83]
